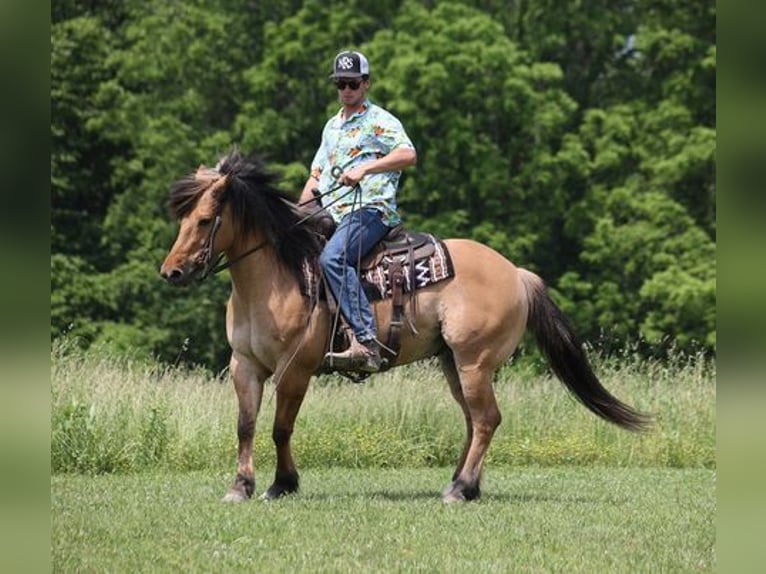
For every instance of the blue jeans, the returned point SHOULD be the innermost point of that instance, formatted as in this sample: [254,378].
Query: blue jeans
[357,234]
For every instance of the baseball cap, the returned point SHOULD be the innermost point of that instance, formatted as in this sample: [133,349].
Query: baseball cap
[350,65]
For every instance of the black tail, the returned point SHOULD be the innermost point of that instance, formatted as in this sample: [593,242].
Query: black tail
[560,345]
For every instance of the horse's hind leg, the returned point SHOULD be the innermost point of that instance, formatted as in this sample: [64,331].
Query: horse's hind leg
[450,372]
[485,417]
[249,388]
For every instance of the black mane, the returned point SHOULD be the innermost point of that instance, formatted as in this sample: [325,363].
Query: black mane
[184,195]
[257,203]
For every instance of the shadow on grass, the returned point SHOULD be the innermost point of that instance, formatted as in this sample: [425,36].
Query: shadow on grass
[426,495]
[388,495]
[558,499]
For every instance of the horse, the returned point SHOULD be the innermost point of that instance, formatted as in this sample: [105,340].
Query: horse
[472,321]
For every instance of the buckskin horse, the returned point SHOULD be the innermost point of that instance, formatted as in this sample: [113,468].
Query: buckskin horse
[472,321]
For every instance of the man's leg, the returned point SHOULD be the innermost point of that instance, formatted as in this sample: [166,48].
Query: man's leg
[356,236]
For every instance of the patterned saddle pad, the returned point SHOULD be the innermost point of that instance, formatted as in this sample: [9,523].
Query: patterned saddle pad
[426,263]
[422,258]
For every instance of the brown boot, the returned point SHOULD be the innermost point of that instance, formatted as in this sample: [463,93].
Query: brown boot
[363,357]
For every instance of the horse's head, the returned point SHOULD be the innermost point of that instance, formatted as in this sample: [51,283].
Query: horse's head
[198,201]
[235,209]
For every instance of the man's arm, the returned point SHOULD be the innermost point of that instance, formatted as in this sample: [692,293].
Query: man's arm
[306,195]
[397,160]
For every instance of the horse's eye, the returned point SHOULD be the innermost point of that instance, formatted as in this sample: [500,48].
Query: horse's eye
[204,222]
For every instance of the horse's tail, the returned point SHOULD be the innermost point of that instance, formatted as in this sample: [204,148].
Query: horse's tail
[561,346]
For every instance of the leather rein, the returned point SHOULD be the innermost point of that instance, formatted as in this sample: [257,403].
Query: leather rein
[213,267]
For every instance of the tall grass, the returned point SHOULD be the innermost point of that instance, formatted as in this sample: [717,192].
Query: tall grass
[112,414]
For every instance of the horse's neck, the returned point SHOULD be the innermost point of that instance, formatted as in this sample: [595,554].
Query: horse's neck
[259,276]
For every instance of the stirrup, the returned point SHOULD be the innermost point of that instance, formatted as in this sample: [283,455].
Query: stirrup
[357,357]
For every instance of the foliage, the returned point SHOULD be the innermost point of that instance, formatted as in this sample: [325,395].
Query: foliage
[111,414]
[578,140]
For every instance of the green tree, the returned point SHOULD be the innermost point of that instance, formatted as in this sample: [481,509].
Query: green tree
[163,94]
[288,93]
[580,37]
[649,276]
[489,126]
[636,236]
[578,140]
[81,189]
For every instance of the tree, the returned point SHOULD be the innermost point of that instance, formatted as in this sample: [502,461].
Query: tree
[637,237]
[578,140]
[489,126]
[81,189]
[159,97]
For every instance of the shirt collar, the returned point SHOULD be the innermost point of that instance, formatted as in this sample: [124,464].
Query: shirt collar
[363,110]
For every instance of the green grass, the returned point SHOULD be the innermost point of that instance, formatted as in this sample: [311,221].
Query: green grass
[115,415]
[531,519]
[141,455]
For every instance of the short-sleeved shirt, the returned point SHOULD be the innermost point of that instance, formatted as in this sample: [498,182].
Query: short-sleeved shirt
[367,135]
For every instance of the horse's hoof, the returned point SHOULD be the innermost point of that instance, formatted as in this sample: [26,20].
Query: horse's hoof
[276,491]
[453,497]
[459,492]
[284,483]
[242,489]
[453,493]
[266,496]
[235,495]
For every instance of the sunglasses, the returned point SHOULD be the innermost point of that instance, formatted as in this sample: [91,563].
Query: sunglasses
[353,84]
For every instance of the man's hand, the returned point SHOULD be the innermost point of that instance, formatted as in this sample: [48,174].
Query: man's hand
[353,176]
[307,194]
[396,160]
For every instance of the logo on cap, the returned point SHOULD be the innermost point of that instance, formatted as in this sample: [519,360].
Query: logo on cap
[352,64]
[345,62]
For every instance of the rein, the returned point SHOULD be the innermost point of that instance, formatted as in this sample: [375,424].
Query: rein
[214,267]
[318,196]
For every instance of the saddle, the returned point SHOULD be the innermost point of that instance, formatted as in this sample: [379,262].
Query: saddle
[398,241]
[402,262]
[399,251]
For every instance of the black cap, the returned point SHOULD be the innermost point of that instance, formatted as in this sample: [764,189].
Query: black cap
[350,65]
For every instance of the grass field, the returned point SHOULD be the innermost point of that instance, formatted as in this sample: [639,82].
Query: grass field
[141,455]
[111,415]
[560,519]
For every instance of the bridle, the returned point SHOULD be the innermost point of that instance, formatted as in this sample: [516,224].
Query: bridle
[215,266]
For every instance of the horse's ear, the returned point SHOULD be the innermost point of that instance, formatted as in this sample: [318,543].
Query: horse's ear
[219,186]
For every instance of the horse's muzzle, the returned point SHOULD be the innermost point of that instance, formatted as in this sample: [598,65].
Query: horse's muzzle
[173,276]
[178,276]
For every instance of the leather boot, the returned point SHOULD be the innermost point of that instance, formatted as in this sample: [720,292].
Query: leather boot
[363,357]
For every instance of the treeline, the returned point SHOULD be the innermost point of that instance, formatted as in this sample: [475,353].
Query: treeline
[576,138]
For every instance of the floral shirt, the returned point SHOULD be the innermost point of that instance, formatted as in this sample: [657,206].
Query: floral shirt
[369,134]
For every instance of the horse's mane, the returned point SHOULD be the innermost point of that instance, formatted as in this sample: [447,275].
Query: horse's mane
[256,203]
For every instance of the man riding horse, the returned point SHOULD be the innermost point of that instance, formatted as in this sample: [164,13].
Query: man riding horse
[363,150]
[472,322]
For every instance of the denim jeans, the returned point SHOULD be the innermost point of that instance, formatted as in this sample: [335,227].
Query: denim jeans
[357,234]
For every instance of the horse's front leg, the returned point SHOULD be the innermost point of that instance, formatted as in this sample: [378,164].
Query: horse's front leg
[290,392]
[248,383]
